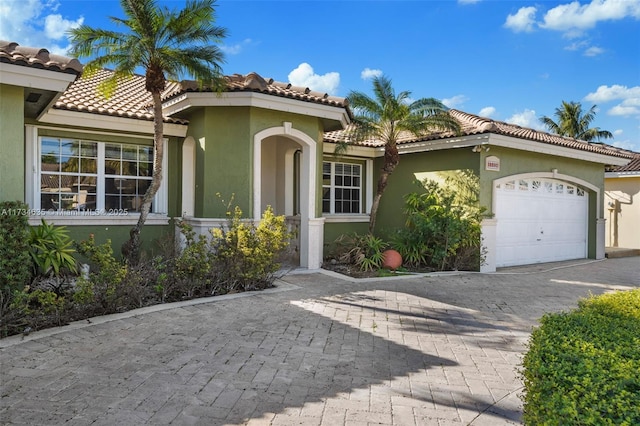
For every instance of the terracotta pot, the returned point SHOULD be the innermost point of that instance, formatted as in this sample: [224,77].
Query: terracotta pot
[391,259]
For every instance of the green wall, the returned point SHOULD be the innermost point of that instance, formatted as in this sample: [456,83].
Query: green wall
[402,181]
[333,230]
[12,160]
[224,153]
[150,235]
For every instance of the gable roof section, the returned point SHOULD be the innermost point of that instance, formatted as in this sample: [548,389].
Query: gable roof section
[33,57]
[254,82]
[130,100]
[475,125]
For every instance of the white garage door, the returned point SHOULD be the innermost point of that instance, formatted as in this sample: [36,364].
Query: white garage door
[540,220]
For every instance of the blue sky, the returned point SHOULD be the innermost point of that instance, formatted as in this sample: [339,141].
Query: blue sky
[509,60]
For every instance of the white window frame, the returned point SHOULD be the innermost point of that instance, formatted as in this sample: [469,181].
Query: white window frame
[159,216]
[332,187]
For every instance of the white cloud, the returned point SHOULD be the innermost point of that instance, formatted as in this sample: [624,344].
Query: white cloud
[455,101]
[624,110]
[573,18]
[487,111]
[235,49]
[304,75]
[523,20]
[612,93]
[577,45]
[593,51]
[627,144]
[526,118]
[56,27]
[32,23]
[369,73]
[618,132]
[629,98]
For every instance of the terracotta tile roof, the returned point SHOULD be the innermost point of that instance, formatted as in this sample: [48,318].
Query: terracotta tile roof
[253,82]
[130,100]
[473,125]
[33,57]
[633,166]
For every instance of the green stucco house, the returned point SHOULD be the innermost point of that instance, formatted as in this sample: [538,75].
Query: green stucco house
[80,160]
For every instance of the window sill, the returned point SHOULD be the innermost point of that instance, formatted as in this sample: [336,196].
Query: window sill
[346,218]
[73,218]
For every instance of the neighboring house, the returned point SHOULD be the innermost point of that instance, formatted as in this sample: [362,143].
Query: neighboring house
[622,198]
[83,161]
[545,192]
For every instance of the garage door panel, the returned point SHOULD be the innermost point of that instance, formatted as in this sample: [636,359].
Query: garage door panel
[540,220]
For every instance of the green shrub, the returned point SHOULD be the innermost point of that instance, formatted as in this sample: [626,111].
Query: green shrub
[192,271]
[441,232]
[15,264]
[245,256]
[583,367]
[51,250]
[103,288]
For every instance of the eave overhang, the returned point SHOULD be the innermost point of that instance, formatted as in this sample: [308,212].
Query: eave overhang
[489,139]
[109,123]
[335,118]
[17,75]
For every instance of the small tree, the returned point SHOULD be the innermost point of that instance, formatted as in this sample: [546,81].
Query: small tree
[166,44]
[386,117]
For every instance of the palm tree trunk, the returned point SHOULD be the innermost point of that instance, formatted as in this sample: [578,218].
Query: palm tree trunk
[131,248]
[391,160]
[382,182]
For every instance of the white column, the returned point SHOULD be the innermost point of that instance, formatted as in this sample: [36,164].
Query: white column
[311,243]
[600,237]
[488,245]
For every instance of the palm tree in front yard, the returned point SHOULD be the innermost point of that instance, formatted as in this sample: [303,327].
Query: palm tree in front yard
[573,123]
[166,44]
[387,116]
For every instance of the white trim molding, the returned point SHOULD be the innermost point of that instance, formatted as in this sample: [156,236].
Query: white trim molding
[103,122]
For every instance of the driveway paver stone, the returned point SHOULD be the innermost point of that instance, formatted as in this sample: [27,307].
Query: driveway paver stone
[440,349]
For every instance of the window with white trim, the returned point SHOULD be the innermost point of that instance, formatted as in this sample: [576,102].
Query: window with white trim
[92,176]
[341,188]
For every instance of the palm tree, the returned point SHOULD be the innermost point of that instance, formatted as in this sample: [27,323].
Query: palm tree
[166,44]
[574,124]
[386,117]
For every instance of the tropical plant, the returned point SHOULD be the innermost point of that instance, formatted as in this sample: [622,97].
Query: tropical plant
[51,250]
[363,250]
[440,232]
[386,117]
[572,122]
[166,44]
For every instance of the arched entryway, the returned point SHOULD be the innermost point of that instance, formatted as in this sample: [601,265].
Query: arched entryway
[276,183]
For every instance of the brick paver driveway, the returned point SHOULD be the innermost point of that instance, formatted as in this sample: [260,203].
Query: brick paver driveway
[434,350]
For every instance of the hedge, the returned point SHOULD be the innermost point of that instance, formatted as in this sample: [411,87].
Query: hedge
[583,367]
